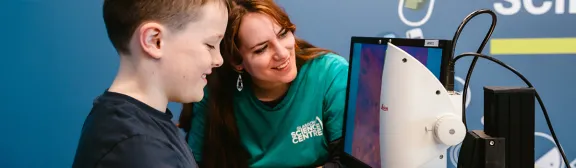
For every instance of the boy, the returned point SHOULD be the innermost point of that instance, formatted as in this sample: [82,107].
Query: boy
[166,48]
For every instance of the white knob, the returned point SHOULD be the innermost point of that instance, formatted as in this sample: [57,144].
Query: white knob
[449,130]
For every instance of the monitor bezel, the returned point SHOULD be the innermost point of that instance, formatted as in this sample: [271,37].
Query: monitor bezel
[446,45]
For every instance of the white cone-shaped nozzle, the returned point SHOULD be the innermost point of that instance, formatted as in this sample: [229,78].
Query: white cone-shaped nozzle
[419,119]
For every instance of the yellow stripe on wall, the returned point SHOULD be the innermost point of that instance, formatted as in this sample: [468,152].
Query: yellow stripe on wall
[527,46]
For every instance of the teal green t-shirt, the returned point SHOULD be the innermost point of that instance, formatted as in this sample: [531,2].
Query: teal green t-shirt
[295,132]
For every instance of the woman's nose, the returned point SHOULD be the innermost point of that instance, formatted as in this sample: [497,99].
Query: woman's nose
[281,53]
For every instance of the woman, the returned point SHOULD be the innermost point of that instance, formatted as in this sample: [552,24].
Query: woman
[277,101]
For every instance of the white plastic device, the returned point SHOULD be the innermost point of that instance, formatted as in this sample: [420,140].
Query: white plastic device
[419,118]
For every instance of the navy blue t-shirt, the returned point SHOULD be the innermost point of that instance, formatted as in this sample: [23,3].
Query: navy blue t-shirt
[123,132]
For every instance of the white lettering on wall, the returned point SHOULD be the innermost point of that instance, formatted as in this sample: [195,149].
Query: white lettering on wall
[540,7]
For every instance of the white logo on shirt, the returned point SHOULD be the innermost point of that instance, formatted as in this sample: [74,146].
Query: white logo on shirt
[311,129]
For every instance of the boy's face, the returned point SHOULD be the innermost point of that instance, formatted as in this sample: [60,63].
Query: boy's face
[188,56]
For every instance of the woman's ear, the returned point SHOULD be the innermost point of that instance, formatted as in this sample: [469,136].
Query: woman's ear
[238,67]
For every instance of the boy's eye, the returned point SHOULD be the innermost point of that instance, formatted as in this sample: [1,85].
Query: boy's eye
[210,47]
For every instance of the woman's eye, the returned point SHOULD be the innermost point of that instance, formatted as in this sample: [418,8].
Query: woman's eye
[283,33]
[261,50]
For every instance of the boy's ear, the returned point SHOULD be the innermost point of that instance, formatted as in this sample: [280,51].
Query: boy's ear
[151,37]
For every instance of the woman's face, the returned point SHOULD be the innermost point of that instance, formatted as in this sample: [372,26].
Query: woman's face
[267,50]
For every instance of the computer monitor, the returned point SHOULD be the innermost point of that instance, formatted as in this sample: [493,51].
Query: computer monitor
[361,123]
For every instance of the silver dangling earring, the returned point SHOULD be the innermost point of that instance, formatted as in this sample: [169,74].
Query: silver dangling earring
[239,83]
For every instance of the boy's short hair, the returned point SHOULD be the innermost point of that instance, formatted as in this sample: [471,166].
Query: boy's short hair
[122,17]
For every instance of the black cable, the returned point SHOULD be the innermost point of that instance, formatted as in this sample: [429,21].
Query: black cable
[473,64]
[548,122]
[451,71]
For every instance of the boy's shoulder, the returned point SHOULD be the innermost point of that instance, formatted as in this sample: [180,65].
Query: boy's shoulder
[112,115]
[111,122]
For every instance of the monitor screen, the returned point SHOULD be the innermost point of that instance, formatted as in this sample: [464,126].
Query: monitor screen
[362,117]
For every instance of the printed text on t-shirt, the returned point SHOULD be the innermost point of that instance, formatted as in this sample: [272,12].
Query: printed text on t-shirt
[307,131]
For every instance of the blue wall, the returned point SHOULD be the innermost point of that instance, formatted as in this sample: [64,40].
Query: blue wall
[56,58]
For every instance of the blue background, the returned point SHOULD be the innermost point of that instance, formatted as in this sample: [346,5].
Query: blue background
[56,58]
